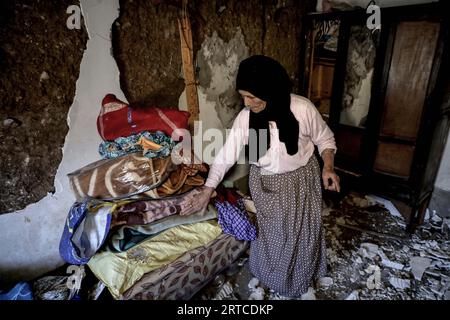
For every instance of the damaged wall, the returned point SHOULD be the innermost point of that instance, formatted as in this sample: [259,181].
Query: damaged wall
[148,54]
[39,62]
[147,48]
[29,239]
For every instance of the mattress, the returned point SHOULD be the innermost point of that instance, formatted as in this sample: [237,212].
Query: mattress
[185,276]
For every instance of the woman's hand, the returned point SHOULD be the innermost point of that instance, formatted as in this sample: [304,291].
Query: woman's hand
[330,180]
[197,201]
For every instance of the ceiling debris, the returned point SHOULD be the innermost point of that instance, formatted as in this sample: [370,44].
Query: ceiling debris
[370,257]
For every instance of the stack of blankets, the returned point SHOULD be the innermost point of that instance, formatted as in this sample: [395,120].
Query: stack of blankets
[127,223]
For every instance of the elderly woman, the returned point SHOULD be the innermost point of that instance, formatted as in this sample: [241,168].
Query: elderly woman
[285,185]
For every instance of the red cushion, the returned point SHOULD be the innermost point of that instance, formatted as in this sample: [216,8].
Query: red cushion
[118,119]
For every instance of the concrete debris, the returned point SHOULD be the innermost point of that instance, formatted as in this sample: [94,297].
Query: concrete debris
[374,281]
[225,291]
[253,283]
[435,218]
[388,263]
[418,266]
[353,296]
[400,283]
[366,266]
[386,203]
[368,250]
[447,295]
[258,294]
[309,295]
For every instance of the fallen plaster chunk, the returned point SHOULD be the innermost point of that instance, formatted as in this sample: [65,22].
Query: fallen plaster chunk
[309,295]
[400,283]
[386,203]
[368,250]
[447,295]
[353,296]
[388,263]
[418,266]
[253,283]
[325,282]
[331,256]
[358,260]
[436,218]
[258,294]
[438,255]
[391,264]
[225,291]
[373,281]
[437,293]
[418,247]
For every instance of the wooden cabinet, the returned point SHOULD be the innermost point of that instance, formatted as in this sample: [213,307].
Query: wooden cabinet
[387,97]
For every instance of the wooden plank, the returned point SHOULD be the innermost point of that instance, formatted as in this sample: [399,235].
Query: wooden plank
[187,55]
[411,63]
[394,158]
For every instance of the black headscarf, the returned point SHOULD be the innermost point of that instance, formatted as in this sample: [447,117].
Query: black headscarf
[266,79]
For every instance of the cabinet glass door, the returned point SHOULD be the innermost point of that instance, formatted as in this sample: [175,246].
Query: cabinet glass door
[358,76]
[321,61]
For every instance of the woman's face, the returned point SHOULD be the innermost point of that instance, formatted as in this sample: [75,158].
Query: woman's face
[255,104]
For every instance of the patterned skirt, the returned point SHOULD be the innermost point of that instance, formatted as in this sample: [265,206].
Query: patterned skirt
[289,253]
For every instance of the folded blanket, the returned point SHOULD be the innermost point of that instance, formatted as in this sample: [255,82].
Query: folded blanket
[185,276]
[126,237]
[120,177]
[147,211]
[120,271]
[181,180]
[152,145]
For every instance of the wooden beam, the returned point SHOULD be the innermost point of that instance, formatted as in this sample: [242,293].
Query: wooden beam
[187,56]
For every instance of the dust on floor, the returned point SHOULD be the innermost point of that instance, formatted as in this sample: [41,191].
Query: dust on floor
[370,257]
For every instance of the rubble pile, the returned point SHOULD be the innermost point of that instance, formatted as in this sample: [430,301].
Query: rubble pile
[370,257]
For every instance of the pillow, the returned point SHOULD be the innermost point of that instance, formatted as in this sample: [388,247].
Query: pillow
[118,119]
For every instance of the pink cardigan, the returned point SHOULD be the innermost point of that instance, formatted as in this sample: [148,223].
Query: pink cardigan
[313,131]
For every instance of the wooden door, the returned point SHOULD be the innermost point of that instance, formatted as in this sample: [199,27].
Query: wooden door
[409,73]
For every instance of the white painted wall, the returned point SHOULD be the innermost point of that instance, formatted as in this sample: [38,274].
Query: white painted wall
[29,239]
